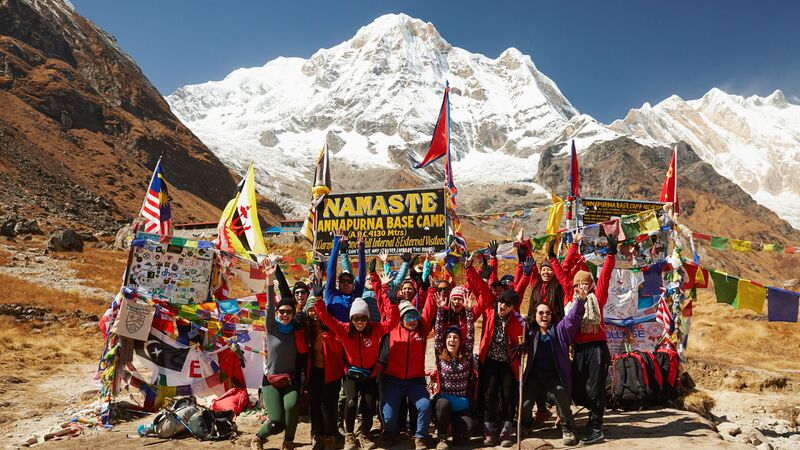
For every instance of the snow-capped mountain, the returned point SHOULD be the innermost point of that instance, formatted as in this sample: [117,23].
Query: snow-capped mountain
[753,141]
[375,99]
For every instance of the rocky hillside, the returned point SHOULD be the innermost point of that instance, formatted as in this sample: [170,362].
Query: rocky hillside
[81,128]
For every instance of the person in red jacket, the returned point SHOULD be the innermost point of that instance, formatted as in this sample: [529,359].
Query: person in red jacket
[325,369]
[361,342]
[404,375]
[503,332]
[590,353]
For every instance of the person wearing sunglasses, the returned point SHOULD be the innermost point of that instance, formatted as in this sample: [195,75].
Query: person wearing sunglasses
[284,340]
[339,296]
[404,375]
[361,343]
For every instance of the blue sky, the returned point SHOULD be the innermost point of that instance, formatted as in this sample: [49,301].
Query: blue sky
[606,57]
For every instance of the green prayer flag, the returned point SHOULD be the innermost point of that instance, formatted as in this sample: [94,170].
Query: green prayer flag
[630,226]
[719,243]
[726,287]
[592,269]
[539,241]
[778,248]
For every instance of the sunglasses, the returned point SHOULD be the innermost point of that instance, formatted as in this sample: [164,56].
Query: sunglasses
[284,312]
[410,317]
[300,292]
[359,319]
[443,289]
[544,313]
[345,281]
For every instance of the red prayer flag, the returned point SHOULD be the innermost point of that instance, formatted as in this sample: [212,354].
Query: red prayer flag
[574,182]
[439,144]
[705,237]
[669,191]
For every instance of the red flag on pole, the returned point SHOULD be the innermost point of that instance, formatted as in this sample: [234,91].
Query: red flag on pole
[669,191]
[574,182]
[439,141]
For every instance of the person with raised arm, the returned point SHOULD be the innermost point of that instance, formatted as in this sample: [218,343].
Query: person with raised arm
[339,296]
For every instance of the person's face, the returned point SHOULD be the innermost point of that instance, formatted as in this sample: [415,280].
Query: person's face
[504,309]
[444,289]
[457,304]
[346,284]
[497,289]
[359,321]
[368,284]
[583,287]
[301,296]
[452,342]
[543,316]
[313,314]
[285,314]
[407,291]
[410,320]
[546,272]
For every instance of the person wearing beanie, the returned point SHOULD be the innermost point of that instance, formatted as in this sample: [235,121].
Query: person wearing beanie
[455,313]
[284,339]
[591,357]
[339,296]
[361,344]
[325,371]
[503,331]
[300,293]
[404,375]
[455,368]
[521,279]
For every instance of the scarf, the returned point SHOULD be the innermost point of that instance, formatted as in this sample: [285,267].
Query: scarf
[287,328]
[590,324]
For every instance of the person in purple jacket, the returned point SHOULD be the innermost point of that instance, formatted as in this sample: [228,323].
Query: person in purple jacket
[548,366]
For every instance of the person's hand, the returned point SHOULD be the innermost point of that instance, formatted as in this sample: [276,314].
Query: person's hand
[385,279]
[527,266]
[428,257]
[372,263]
[577,236]
[469,301]
[470,260]
[521,234]
[522,252]
[441,300]
[493,248]
[317,289]
[406,257]
[551,248]
[612,244]
[486,269]
[582,293]
[384,256]
[269,268]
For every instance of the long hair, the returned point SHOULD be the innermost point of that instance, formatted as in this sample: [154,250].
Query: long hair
[553,296]
[445,355]
[353,332]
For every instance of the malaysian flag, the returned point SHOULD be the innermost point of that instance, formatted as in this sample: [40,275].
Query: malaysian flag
[664,317]
[155,209]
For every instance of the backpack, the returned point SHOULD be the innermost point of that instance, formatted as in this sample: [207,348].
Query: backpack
[235,399]
[628,383]
[654,378]
[208,425]
[670,373]
[171,421]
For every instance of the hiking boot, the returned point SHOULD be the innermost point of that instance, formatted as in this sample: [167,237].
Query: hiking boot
[317,442]
[594,437]
[256,444]
[329,443]
[568,438]
[350,442]
[287,445]
[541,417]
[489,439]
[505,439]
[419,444]
[365,442]
[442,444]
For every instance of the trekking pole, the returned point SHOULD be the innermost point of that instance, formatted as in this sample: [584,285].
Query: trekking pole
[519,400]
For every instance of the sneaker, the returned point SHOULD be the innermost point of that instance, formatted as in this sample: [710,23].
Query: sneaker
[350,442]
[256,444]
[365,442]
[568,438]
[419,444]
[505,439]
[442,444]
[541,417]
[489,439]
[594,437]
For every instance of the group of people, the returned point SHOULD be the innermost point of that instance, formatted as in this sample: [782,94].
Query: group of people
[365,336]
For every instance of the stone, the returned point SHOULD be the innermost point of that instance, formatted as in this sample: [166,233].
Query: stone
[795,437]
[729,428]
[65,240]
[764,446]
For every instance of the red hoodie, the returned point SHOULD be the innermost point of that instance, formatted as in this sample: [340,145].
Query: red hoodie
[514,326]
[332,353]
[362,349]
[407,348]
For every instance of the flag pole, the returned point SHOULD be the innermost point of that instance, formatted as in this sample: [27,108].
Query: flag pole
[677,205]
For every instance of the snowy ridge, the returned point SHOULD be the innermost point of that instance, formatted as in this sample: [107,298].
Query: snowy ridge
[753,141]
[374,98]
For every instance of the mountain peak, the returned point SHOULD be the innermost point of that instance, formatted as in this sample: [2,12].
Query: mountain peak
[397,24]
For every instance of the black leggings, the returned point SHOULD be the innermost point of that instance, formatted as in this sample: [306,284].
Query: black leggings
[445,417]
[323,398]
[368,390]
[589,373]
[500,382]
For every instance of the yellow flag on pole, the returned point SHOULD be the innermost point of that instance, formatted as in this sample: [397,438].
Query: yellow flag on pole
[239,229]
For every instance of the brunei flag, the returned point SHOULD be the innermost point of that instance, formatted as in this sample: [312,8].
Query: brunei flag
[669,191]
[239,229]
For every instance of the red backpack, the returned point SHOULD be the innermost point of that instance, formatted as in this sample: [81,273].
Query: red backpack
[235,399]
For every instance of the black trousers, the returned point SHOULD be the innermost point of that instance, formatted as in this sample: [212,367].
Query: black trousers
[367,390]
[323,402]
[536,387]
[589,374]
[501,391]
[460,421]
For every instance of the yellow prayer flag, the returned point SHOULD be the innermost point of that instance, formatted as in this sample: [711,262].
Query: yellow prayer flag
[751,296]
[556,214]
[648,221]
[768,247]
[740,246]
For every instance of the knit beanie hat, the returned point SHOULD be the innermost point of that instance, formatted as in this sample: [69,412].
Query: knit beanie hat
[406,306]
[309,303]
[508,297]
[546,263]
[582,276]
[459,291]
[286,302]
[300,285]
[359,308]
[453,329]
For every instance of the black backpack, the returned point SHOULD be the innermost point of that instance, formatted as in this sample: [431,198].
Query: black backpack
[207,425]
[628,383]
[669,364]
[655,394]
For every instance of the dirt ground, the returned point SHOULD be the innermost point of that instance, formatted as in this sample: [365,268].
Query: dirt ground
[746,369]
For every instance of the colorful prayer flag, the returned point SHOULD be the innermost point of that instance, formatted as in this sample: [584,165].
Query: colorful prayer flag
[726,287]
[741,246]
[155,209]
[719,243]
[782,305]
[751,296]
[556,214]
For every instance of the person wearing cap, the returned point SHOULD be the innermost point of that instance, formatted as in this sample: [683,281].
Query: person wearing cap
[591,357]
[404,374]
[325,369]
[502,334]
[361,344]
[521,279]
[284,339]
[455,365]
[339,296]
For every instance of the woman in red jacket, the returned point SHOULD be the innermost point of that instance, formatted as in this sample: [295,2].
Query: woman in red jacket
[361,342]
[325,369]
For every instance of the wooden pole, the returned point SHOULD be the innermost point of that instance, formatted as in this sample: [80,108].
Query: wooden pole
[519,399]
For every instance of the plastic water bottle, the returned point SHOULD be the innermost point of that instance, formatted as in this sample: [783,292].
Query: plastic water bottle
[144,430]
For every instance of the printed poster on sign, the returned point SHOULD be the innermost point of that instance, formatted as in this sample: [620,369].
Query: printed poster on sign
[393,221]
[178,271]
[135,320]
[641,336]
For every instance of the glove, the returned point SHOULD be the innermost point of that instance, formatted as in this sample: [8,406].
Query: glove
[344,245]
[551,249]
[372,264]
[317,289]
[493,248]
[612,245]
[522,252]
[486,270]
[406,257]
[527,266]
